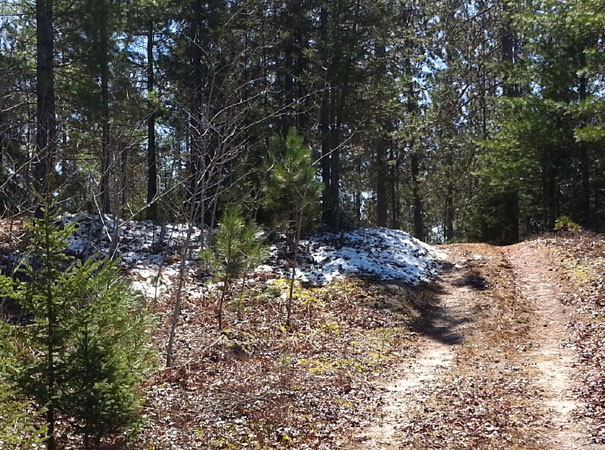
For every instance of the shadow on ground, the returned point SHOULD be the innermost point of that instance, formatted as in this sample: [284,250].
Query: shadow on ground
[438,322]
[434,320]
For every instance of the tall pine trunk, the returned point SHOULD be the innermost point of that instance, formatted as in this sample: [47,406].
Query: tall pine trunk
[105,139]
[46,127]
[381,183]
[196,145]
[330,125]
[448,228]
[510,219]
[381,149]
[417,207]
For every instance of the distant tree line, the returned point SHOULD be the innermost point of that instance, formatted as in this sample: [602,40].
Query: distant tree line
[454,120]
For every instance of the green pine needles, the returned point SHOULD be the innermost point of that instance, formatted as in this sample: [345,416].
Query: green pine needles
[292,190]
[86,337]
[19,425]
[237,249]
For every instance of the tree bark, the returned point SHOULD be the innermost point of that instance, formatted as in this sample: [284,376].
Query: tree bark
[449,214]
[324,126]
[394,184]
[105,143]
[381,148]
[511,218]
[417,207]
[46,127]
[381,184]
[417,204]
[507,43]
[196,114]
[336,109]
[152,169]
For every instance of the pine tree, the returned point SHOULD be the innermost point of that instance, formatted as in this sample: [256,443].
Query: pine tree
[237,249]
[109,357]
[292,190]
[86,333]
[46,129]
[293,187]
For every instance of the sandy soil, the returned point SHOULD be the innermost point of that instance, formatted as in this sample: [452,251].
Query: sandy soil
[492,370]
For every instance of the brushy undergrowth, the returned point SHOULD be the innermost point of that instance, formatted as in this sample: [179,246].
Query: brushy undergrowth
[257,384]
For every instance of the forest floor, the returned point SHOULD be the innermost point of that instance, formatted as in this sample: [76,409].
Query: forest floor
[505,350]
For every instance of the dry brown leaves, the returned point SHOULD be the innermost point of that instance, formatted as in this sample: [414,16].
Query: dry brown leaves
[258,385]
[582,260]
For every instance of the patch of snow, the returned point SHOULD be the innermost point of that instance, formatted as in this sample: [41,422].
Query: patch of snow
[264,268]
[380,253]
[146,249]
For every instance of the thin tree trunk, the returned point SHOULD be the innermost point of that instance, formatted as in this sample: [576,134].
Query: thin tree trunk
[417,204]
[179,294]
[124,180]
[449,213]
[510,90]
[336,110]
[324,127]
[381,148]
[195,86]
[417,207]
[381,184]
[105,139]
[394,185]
[152,169]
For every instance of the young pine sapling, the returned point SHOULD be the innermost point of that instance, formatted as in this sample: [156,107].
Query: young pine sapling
[237,249]
[86,337]
[292,190]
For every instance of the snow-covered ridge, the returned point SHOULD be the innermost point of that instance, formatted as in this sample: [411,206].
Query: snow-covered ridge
[144,247]
[381,253]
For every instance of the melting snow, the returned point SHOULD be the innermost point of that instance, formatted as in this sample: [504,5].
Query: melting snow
[381,253]
[148,250]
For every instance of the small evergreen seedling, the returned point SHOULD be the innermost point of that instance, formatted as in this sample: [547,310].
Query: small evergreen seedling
[237,249]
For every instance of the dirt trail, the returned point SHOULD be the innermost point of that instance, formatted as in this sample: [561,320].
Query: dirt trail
[539,285]
[435,357]
[492,371]
[442,331]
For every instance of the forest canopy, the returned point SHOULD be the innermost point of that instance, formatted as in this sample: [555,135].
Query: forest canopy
[454,120]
